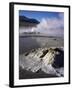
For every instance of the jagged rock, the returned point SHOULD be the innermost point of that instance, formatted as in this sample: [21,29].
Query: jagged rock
[49,60]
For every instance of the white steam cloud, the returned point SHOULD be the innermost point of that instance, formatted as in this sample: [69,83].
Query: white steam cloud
[51,26]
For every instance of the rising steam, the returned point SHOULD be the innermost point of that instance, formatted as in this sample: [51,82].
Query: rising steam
[51,26]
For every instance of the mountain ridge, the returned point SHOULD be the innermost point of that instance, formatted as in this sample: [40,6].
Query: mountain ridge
[25,21]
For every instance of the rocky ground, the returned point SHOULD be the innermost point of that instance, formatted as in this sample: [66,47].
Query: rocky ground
[42,62]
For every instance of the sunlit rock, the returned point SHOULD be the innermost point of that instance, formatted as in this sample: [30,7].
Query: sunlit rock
[49,60]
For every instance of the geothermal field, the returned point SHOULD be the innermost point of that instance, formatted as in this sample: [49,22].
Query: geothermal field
[41,44]
[41,57]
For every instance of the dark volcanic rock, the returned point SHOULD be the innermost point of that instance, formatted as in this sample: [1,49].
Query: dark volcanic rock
[24,21]
[59,59]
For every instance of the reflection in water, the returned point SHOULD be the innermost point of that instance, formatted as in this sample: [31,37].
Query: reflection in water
[28,43]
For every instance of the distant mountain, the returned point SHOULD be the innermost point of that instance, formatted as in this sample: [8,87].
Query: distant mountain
[25,21]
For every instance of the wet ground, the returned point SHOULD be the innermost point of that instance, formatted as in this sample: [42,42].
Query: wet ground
[29,43]
[26,44]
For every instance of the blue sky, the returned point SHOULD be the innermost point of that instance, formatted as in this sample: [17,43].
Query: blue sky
[51,23]
[39,14]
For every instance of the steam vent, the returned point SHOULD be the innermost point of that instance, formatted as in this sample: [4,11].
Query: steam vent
[26,24]
[40,55]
